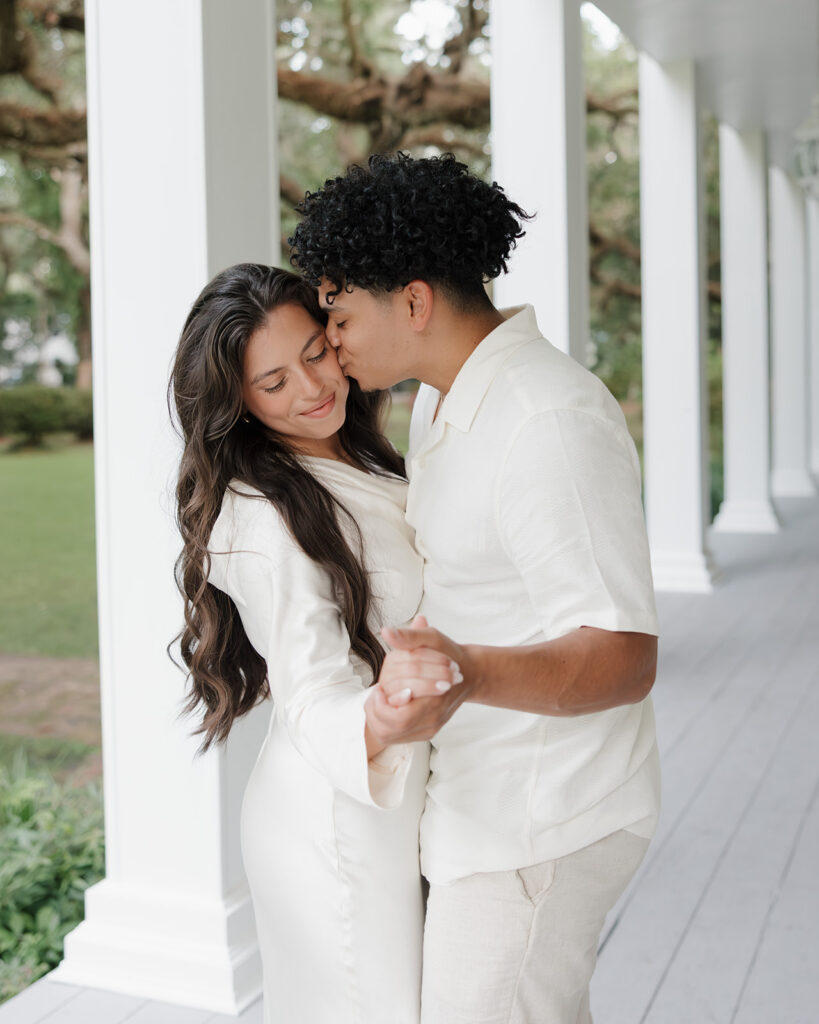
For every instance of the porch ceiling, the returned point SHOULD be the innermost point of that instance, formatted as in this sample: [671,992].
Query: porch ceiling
[759,59]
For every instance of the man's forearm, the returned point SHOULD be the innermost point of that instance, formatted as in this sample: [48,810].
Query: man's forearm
[586,670]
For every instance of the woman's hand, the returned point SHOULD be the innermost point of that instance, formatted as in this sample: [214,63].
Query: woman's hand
[418,720]
[416,671]
[419,687]
[418,651]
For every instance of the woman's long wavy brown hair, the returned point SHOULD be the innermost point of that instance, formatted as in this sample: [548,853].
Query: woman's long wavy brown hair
[227,676]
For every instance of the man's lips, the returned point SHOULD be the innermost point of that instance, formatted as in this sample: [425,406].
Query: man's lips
[324,409]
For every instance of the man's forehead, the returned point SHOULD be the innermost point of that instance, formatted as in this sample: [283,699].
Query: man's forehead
[331,294]
[347,297]
[341,297]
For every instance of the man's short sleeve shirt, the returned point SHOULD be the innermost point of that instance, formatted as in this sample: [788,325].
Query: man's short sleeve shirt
[525,498]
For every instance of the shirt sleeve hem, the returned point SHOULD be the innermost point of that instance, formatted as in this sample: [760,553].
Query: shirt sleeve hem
[613,620]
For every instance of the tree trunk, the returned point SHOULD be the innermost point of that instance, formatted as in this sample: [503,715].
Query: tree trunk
[84,339]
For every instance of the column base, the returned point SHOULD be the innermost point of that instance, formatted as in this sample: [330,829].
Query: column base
[174,949]
[683,572]
[746,517]
[792,483]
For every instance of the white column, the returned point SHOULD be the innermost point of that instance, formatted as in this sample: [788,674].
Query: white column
[674,325]
[539,157]
[813,316]
[183,183]
[747,506]
[790,475]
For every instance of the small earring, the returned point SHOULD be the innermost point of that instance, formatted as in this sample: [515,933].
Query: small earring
[245,418]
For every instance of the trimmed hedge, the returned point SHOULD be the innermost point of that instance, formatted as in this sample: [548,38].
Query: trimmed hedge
[51,850]
[30,411]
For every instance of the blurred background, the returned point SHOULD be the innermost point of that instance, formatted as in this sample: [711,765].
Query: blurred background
[354,77]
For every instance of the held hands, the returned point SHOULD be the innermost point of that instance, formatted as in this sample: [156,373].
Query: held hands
[420,685]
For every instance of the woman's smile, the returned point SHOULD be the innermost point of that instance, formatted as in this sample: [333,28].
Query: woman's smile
[319,411]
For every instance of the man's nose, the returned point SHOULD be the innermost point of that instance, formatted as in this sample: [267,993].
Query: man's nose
[332,335]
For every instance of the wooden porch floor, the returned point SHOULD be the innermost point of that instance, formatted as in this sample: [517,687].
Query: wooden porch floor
[721,925]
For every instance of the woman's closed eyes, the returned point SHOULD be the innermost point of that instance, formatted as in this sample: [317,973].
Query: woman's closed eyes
[313,359]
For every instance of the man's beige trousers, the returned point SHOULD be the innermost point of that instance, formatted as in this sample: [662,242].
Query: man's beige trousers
[520,947]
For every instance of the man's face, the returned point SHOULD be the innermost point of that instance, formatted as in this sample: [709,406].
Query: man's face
[370,335]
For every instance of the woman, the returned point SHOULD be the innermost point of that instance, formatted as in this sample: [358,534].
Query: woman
[290,504]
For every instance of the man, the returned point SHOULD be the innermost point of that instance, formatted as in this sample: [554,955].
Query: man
[525,497]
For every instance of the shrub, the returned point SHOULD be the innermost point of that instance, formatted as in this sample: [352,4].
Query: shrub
[30,411]
[80,409]
[51,850]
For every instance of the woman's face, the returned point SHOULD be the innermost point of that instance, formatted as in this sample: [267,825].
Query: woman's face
[292,380]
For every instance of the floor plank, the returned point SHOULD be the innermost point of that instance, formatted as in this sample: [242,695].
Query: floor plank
[696,934]
[36,1001]
[163,1013]
[783,984]
[93,1006]
[693,733]
[254,1014]
[708,975]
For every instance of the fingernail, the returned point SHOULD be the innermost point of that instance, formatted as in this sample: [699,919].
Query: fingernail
[443,686]
[454,665]
[458,677]
[405,695]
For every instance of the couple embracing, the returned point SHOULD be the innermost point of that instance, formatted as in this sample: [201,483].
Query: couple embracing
[459,649]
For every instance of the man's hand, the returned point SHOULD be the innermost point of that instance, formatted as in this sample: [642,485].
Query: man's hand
[407,667]
[418,688]
[418,720]
[583,671]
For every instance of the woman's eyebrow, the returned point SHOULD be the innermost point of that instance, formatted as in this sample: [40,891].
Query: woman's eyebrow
[267,373]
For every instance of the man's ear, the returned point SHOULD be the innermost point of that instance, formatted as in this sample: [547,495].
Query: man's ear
[419,298]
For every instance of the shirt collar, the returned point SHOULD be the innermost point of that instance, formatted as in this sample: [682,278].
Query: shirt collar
[480,369]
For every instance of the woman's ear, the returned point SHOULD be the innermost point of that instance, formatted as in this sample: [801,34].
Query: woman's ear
[419,297]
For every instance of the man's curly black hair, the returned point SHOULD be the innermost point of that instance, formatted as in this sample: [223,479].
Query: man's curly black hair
[401,219]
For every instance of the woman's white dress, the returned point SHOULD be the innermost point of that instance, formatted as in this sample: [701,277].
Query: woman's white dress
[330,842]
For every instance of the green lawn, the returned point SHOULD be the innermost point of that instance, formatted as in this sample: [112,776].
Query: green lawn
[48,593]
[397,425]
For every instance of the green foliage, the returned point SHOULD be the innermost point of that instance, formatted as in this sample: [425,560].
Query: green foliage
[51,850]
[38,286]
[57,756]
[715,430]
[313,40]
[48,581]
[30,412]
[613,170]
[40,291]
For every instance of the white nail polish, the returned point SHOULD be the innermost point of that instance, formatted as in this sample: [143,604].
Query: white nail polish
[443,686]
[405,694]
[458,677]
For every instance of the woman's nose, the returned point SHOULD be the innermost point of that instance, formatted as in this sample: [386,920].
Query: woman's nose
[310,381]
